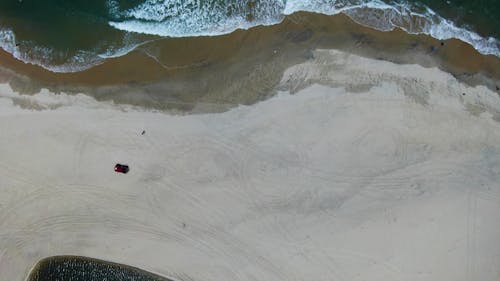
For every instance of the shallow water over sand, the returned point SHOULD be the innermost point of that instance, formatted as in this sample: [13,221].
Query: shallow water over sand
[60,35]
[217,73]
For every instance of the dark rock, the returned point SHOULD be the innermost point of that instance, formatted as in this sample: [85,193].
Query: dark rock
[74,268]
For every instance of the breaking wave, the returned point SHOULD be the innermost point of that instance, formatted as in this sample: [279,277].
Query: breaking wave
[139,21]
[176,18]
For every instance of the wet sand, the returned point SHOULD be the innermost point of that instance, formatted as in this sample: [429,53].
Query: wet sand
[216,73]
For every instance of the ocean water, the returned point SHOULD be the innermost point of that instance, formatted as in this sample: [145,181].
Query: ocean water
[73,35]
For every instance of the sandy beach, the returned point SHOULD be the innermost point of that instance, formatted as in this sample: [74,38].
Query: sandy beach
[214,74]
[357,169]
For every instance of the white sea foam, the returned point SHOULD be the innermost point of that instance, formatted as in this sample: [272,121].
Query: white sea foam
[176,18]
[58,61]
[414,21]
[8,41]
[43,56]
[184,18]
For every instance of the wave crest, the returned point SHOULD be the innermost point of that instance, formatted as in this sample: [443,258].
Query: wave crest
[136,24]
[176,18]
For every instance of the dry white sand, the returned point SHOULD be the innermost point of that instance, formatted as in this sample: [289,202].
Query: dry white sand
[376,171]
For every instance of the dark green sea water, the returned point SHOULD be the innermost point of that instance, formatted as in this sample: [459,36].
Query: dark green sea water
[72,35]
[483,16]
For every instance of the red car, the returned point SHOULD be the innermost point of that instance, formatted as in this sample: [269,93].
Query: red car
[120,168]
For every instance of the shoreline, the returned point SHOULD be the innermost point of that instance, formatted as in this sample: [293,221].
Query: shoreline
[244,66]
